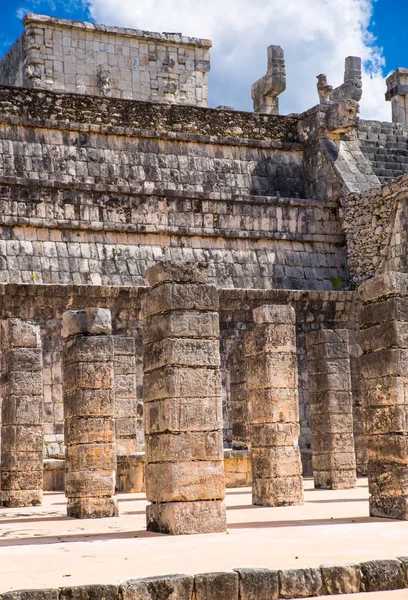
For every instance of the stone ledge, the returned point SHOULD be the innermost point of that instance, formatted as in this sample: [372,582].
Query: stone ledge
[242,584]
[184,231]
[175,38]
[93,114]
[185,195]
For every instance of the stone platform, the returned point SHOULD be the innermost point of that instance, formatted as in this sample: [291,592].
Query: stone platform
[41,547]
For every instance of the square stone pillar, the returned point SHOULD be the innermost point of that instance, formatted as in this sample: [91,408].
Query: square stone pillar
[22,429]
[238,398]
[331,409]
[129,433]
[182,401]
[272,383]
[384,367]
[397,94]
[88,414]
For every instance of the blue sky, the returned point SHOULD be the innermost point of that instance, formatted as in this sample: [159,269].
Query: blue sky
[316,35]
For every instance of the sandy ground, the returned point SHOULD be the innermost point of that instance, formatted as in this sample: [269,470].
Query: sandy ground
[41,547]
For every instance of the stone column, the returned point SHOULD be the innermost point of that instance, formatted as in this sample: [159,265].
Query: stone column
[129,432]
[331,409]
[182,401]
[384,367]
[272,383]
[358,409]
[22,429]
[238,398]
[397,90]
[88,414]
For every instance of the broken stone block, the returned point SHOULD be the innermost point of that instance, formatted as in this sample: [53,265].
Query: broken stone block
[214,586]
[187,518]
[258,584]
[341,579]
[300,583]
[379,575]
[171,587]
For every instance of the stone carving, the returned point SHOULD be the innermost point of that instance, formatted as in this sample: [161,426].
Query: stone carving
[182,394]
[331,410]
[266,90]
[323,89]
[104,76]
[88,414]
[33,74]
[397,90]
[342,101]
[22,428]
[272,383]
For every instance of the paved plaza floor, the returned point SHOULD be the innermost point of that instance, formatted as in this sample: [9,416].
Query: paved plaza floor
[42,547]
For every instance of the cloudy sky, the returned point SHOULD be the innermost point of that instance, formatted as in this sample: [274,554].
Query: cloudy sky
[316,36]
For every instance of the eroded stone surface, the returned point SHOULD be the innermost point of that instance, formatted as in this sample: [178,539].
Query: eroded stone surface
[271,380]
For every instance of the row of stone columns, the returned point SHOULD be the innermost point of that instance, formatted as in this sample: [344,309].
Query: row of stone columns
[182,395]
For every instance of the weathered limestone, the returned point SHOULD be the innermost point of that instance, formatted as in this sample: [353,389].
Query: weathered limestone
[85,58]
[272,383]
[238,398]
[266,90]
[129,435]
[350,90]
[331,409]
[397,90]
[22,413]
[88,414]
[384,367]
[182,395]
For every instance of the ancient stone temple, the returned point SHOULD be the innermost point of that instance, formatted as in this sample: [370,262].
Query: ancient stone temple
[111,163]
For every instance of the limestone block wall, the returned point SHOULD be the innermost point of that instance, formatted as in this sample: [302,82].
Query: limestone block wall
[385,145]
[98,60]
[98,202]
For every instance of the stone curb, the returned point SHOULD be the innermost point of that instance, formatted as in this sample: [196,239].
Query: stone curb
[241,584]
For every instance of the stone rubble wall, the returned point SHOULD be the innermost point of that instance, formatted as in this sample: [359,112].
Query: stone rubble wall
[242,583]
[374,223]
[93,114]
[68,56]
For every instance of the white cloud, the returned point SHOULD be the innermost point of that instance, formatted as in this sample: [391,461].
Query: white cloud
[21,13]
[316,36]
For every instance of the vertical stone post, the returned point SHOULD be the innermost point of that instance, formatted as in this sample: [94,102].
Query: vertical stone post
[22,429]
[272,383]
[129,434]
[238,398]
[182,401]
[331,409]
[358,409]
[384,367]
[397,90]
[88,414]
